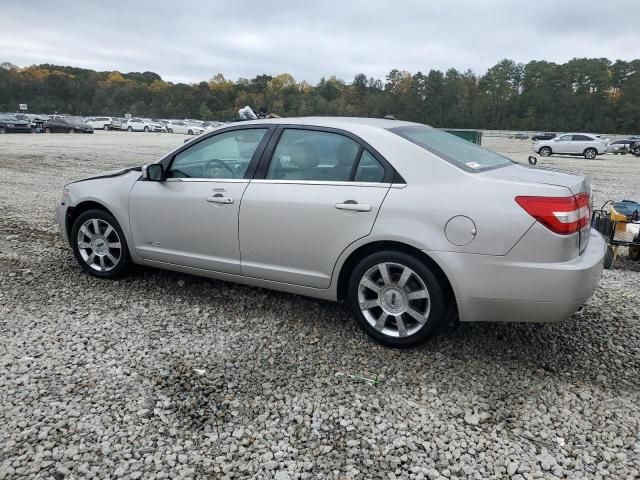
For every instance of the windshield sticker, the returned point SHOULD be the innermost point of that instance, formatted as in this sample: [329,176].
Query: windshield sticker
[473,165]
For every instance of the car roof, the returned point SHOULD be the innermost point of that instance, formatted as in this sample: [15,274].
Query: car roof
[333,122]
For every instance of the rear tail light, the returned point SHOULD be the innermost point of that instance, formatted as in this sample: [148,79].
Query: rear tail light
[561,215]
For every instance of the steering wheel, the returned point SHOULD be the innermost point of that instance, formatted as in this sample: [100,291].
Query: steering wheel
[215,164]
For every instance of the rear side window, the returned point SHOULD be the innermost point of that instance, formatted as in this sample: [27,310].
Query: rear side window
[369,169]
[582,138]
[461,153]
[313,155]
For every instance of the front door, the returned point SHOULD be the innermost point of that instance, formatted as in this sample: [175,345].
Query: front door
[563,144]
[320,193]
[191,218]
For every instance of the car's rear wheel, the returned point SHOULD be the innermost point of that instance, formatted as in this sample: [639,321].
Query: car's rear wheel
[99,244]
[190,132]
[2,130]
[71,130]
[47,130]
[106,127]
[590,153]
[396,299]
[130,129]
[169,130]
[545,151]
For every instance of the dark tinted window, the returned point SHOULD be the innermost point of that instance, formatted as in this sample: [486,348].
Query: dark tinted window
[582,138]
[461,153]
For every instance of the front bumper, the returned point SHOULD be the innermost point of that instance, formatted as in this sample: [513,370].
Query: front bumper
[61,218]
[500,289]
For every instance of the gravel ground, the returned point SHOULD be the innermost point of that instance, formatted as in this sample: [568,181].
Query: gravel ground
[165,375]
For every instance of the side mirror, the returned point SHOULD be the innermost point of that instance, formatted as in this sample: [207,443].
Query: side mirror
[153,172]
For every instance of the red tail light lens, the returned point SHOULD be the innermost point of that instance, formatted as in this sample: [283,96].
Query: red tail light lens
[561,215]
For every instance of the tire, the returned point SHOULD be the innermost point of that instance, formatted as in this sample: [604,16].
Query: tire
[3,130]
[146,129]
[130,129]
[545,151]
[608,258]
[106,128]
[47,130]
[169,130]
[590,153]
[104,248]
[71,130]
[190,132]
[378,319]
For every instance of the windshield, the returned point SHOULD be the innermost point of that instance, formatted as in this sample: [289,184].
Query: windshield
[462,153]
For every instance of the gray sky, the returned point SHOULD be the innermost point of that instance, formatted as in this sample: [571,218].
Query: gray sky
[191,41]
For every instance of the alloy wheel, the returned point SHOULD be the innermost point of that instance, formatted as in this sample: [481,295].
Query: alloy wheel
[99,245]
[394,299]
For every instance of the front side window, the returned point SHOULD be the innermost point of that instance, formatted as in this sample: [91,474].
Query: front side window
[565,138]
[226,155]
[313,155]
[455,150]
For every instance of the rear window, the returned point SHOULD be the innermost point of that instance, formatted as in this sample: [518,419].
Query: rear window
[463,154]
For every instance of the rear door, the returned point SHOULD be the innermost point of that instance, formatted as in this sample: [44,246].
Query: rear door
[316,191]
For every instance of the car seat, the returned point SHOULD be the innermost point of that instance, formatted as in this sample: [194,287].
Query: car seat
[305,157]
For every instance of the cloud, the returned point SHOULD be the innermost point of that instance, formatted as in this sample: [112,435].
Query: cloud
[190,42]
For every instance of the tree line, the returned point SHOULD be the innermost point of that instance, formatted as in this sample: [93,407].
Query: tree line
[583,94]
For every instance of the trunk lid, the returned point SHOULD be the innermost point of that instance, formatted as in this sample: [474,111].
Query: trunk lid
[576,183]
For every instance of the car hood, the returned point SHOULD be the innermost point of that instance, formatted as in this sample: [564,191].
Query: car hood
[111,173]
[548,176]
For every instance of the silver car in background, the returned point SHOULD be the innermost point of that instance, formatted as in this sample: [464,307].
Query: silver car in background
[403,222]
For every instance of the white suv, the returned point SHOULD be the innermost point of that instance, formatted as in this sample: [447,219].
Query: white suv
[100,123]
[142,125]
[585,144]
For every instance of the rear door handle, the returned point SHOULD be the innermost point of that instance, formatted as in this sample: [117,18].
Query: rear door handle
[354,207]
[220,199]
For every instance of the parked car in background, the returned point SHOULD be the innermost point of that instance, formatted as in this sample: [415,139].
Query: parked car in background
[520,136]
[176,126]
[100,123]
[543,136]
[350,209]
[142,125]
[194,128]
[10,124]
[585,144]
[59,124]
[619,146]
[117,123]
[635,138]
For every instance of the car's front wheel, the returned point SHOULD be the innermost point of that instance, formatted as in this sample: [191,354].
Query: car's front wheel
[146,129]
[130,129]
[47,130]
[99,244]
[396,299]
[545,151]
[590,153]
[2,131]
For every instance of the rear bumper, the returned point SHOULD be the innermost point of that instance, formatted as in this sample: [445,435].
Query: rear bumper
[501,289]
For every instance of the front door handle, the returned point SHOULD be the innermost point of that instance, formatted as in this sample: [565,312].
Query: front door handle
[353,206]
[220,199]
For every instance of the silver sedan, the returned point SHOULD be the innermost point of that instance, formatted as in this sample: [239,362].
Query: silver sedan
[406,224]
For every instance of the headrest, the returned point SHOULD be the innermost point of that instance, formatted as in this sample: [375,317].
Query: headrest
[303,155]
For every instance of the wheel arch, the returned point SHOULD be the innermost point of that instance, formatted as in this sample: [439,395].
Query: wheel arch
[77,210]
[385,245]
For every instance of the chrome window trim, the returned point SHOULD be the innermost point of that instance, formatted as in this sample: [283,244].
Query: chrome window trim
[209,180]
[322,182]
